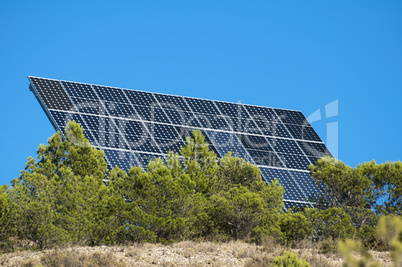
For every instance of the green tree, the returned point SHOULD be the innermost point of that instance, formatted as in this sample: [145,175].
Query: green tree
[61,196]
[7,225]
[331,223]
[294,227]
[346,188]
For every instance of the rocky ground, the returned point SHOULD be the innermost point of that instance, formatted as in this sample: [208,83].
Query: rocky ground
[185,253]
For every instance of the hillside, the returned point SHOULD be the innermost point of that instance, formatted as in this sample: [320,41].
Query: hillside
[185,253]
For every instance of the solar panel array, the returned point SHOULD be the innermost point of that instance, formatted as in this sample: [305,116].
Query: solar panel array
[133,127]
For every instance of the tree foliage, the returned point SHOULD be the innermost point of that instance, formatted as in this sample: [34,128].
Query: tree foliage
[66,195]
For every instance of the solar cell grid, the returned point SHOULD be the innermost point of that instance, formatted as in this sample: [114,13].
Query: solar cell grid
[273,129]
[292,192]
[182,118]
[292,117]
[163,131]
[90,106]
[246,126]
[172,102]
[121,110]
[227,142]
[303,132]
[145,158]
[114,95]
[141,98]
[134,127]
[284,145]
[52,94]
[79,90]
[212,122]
[254,142]
[167,145]
[232,110]
[262,113]
[265,158]
[122,159]
[307,182]
[294,161]
[314,149]
[202,106]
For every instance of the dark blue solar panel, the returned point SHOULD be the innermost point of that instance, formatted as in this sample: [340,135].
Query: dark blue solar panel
[125,160]
[306,183]
[232,110]
[167,145]
[213,122]
[202,106]
[313,160]
[284,146]
[141,98]
[314,149]
[135,127]
[292,191]
[188,132]
[225,142]
[303,132]
[273,129]
[52,94]
[145,158]
[152,113]
[131,127]
[246,126]
[172,102]
[292,161]
[163,131]
[99,123]
[182,118]
[89,106]
[292,117]
[254,142]
[61,118]
[111,140]
[266,158]
[115,95]
[79,90]
[139,143]
[262,113]
[121,110]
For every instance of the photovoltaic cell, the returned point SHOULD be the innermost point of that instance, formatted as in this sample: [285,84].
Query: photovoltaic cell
[285,146]
[273,129]
[232,110]
[262,113]
[303,132]
[292,117]
[314,149]
[172,102]
[141,98]
[202,106]
[79,90]
[227,142]
[114,95]
[52,94]
[133,127]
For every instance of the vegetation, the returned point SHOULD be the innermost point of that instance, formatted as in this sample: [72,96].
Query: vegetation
[66,196]
[289,259]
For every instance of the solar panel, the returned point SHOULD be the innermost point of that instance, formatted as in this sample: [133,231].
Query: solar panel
[133,127]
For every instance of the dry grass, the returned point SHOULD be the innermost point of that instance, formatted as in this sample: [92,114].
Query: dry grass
[186,253]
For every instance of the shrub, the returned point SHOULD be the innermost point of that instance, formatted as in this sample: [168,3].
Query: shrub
[289,259]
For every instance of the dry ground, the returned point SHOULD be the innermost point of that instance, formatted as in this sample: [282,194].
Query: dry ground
[185,253]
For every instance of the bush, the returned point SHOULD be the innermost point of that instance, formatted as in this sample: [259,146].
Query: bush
[289,259]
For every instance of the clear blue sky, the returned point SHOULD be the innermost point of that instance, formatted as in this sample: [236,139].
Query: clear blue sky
[289,54]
